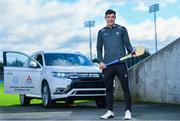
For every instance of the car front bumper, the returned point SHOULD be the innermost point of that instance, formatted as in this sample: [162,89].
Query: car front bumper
[86,87]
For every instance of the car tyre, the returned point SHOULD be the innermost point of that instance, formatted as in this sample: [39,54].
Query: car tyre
[46,96]
[24,100]
[101,102]
[69,101]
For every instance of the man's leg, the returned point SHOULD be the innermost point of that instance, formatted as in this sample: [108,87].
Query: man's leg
[121,71]
[109,75]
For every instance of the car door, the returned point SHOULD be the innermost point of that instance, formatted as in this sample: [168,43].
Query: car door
[21,73]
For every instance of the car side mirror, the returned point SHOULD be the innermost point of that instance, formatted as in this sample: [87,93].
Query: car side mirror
[96,64]
[33,64]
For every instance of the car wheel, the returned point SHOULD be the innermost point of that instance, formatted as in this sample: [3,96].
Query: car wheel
[24,100]
[69,102]
[46,96]
[101,103]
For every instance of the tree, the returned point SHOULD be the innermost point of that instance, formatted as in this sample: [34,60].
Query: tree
[1,71]
[1,66]
[95,60]
[16,63]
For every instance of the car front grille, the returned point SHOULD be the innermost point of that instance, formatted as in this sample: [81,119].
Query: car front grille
[86,83]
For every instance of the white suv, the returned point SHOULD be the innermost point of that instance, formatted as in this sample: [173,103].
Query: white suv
[52,77]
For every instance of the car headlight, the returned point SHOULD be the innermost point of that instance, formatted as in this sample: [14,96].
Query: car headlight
[60,74]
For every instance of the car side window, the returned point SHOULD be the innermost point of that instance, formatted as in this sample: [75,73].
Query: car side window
[39,59]
[16,60]
[81,60]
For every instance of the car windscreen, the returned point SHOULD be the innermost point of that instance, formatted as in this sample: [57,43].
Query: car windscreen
[64,59]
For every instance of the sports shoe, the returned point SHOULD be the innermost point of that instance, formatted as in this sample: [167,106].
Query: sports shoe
[127,115]
[109,114]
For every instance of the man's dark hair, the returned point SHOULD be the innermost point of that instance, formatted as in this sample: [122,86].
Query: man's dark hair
[110,11]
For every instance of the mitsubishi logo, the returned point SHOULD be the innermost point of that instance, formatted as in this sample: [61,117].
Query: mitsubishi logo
[29,78]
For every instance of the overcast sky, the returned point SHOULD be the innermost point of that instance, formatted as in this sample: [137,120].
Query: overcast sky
[57,25]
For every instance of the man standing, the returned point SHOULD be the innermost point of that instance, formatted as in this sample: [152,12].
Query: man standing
[114,38]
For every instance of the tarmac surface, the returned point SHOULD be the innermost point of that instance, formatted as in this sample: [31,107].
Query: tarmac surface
[88,111]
